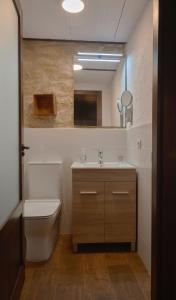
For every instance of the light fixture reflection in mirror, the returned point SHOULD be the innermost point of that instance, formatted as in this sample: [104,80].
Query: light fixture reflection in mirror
[77,67]
[100,54]
[73,6]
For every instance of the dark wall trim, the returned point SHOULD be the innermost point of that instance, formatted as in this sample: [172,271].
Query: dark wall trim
[20,88]
[18,10]
[164,153]
[73,41]
[155,165]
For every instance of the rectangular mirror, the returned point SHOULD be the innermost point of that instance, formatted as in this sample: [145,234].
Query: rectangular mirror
[86,79]
[99,81]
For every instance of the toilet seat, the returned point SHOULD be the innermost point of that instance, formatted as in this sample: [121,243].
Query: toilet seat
[39,209]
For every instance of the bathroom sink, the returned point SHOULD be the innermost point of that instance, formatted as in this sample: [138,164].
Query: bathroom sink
[105,165]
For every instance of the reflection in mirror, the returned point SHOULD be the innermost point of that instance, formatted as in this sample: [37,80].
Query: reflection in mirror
[125,108]
[126,98]
[88,108]
[125,104]
[99,80]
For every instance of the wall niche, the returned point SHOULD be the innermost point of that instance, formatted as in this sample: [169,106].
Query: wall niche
[44,105]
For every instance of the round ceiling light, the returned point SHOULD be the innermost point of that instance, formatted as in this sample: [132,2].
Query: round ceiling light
[77,67]
[73,6]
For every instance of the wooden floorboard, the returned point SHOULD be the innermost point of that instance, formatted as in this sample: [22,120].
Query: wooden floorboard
[87,276]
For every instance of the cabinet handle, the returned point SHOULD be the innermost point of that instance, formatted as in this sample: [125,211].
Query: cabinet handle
[120,193]
[88,193]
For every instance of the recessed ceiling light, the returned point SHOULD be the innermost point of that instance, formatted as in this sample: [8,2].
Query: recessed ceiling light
[100,54]
[73,6]
[77,67]
[99,60]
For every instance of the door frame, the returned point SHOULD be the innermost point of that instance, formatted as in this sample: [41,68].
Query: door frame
[164,153]
[13,226]
[163,190]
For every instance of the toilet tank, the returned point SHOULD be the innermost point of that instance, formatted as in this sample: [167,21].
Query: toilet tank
[44,180]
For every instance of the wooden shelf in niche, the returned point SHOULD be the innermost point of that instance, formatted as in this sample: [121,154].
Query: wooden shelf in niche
[44,105]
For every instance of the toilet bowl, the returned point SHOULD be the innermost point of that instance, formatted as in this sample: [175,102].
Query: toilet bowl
[41,213]
[41,221]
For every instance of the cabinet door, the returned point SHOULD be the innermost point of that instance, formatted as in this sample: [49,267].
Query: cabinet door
[88,212]
[120,212]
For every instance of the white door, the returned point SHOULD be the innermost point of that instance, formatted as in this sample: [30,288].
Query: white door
[11,225]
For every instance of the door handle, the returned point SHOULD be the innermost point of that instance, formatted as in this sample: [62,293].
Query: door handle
[88,193]
[120,193]
[23,148]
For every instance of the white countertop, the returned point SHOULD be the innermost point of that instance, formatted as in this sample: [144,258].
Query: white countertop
[105,165]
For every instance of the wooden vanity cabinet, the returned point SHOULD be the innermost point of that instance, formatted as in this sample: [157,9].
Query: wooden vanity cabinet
[88,212]
[104,206]
[120,212]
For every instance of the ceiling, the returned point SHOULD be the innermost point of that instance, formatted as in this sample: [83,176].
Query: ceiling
[101,20]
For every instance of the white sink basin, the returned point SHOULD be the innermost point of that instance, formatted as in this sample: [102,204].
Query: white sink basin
[105,165]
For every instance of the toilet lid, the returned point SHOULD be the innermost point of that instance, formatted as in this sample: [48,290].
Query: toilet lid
[40,208]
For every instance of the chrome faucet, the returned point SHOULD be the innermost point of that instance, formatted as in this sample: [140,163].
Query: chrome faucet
[100,157]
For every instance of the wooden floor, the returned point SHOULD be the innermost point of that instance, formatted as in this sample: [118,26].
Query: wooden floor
[87,276]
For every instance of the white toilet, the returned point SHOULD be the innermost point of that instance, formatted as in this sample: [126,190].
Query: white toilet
[41,210]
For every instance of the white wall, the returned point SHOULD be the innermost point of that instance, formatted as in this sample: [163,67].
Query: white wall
[139,52]
[117,88]
[142,159]
[65,144]
[106,99]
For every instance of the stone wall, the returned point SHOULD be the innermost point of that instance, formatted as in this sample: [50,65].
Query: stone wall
[48,68]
